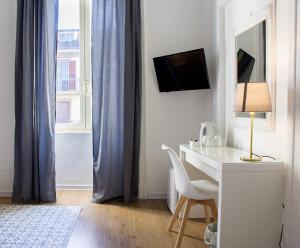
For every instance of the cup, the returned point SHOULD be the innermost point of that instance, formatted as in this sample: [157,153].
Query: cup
[194,143]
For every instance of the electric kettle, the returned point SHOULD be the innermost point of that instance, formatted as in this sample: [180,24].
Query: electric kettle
[209,134]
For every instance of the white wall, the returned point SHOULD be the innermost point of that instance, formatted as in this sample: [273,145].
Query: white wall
[277,142]
[172,26]
[74,160]
[8,11]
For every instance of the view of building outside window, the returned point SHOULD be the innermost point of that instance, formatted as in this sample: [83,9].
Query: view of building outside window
[68,87]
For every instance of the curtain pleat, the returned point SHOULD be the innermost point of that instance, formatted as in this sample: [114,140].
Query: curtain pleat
[35,69]
[132,99]
[116,80]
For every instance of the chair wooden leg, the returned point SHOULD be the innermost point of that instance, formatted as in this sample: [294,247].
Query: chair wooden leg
[213,209]
[179,205]
[207,215]
[188,205]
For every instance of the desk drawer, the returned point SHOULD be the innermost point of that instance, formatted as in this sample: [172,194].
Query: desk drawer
[205,168]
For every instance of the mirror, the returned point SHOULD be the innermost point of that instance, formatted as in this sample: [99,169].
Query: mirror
[251,58]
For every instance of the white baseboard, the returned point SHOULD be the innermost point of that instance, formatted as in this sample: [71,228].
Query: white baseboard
[74,187]
[143,191]
[157,195]
[154,195]
[5,193]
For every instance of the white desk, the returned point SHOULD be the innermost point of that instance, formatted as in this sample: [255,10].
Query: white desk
[250,195]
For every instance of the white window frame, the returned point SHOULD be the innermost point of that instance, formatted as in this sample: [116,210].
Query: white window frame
[85,124]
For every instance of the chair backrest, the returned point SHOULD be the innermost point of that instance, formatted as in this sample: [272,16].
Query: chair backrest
[182,180]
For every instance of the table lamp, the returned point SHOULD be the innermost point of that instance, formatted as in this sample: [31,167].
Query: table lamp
[252,98]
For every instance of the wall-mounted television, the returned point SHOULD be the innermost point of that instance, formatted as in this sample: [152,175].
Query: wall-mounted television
[182,71]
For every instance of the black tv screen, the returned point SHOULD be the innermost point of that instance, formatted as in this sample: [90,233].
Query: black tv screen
[245,66]
[182,71]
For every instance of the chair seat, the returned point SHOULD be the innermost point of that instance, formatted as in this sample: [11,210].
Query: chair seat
[204,189]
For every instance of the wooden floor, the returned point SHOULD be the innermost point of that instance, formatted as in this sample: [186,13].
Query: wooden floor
[114,224]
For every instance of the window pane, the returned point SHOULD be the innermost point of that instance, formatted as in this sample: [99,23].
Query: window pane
[64,111]
[68,63]
[62,76]
[68,109]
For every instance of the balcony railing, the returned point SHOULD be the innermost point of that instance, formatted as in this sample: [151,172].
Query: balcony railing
[68,39]
[70,44]
[71,84]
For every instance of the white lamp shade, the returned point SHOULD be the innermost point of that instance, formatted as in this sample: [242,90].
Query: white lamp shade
[253,97]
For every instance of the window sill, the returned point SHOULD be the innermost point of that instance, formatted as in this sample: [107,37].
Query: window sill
[74,131]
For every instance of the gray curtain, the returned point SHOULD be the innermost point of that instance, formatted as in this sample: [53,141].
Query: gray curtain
[35,69]
[116,79]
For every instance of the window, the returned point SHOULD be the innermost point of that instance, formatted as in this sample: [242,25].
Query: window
[73,98]
[64,113]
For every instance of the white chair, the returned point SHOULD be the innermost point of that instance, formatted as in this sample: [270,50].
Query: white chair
[191,192]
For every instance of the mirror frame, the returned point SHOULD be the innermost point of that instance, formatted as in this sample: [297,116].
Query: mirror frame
[267,15]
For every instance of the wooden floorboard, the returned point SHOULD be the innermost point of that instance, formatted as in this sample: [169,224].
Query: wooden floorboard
[114,224]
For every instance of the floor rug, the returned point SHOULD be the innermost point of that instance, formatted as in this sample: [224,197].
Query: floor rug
[36,226]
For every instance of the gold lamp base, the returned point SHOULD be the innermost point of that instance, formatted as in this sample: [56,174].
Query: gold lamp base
[249,159]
